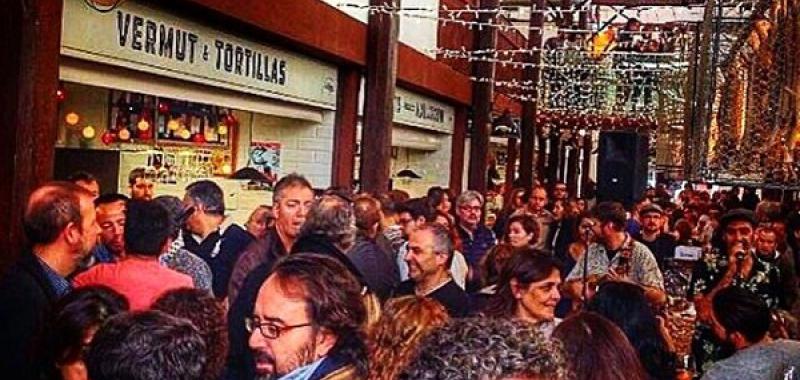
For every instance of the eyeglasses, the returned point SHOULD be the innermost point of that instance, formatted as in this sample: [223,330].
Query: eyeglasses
[268,329]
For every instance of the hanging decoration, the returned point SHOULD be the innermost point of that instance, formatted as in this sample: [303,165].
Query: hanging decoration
[88,132]
[72,119]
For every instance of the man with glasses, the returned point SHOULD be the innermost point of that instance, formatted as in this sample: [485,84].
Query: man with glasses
[307,321]
[476,238]
[210,235]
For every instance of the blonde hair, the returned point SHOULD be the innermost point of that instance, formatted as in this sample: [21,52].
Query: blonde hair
[393,342]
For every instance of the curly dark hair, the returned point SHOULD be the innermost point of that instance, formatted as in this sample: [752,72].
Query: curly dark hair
[208,315]
[626,305]
[334,301]
[486,348]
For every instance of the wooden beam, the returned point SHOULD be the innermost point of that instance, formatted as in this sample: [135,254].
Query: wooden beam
[530,109]
[482,104]
[376,133]
[28,109]
[511,166]
[457,151]
[344,128]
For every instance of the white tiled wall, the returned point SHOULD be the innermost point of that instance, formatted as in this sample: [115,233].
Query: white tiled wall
[306,147]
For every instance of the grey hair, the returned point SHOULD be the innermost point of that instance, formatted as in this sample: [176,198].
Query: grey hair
[441,239]
[487,348]
[469,196]
[333,217]
[289,181]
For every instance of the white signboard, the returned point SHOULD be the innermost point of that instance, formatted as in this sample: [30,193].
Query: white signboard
[142,38]
[423,112]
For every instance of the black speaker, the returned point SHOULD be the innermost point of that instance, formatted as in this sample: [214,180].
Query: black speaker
[622,167]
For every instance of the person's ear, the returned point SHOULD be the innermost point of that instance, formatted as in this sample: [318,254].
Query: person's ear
[325,340]
[516,289]
[72,233]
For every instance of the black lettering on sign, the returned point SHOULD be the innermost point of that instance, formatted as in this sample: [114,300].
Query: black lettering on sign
[150,37]
[136,41]
[248,54]
[165,39]
[228,57]
[192,42]
[239,57]
[123,23]
[282,80]
[180,45]
[219,45]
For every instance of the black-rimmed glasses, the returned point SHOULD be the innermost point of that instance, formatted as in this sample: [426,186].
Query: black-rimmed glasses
[269,329]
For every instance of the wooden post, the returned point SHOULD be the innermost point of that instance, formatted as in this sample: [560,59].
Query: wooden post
[344,128]
[28,109]
[541,156]
[376,133]
[529,109]
[511,165]
[482,103]
[553,159]
[572,179]
[457,150]
[587,158]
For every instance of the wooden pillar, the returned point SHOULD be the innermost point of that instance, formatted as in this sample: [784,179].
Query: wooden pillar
[529,109]
[553,159]
[511,165]
[541,156]
[587,158]
[572,179]
[31,41]
[376,133]
[482,103]
[457,150]
[344,128]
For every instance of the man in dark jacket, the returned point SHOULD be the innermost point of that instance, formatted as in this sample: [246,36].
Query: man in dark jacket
[376,264]
[61,225]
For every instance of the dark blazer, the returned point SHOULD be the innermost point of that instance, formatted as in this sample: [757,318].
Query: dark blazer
[26,300]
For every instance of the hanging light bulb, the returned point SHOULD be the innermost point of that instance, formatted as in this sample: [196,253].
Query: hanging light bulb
[72,118]
[222,129]
[88,132]
[124,134]
[143,124]
[173,125]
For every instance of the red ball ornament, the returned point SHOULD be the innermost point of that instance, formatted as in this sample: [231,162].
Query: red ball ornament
[144,135]
[163,108]
[199,138]
[61,94]
[108,138]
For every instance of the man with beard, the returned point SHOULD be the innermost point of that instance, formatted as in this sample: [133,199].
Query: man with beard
[731,262]
[742,319]
[111,219]
[307,321]
[291,201]
[61,225]
[617,256]
[652,234]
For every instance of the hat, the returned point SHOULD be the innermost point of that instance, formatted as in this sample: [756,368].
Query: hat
[652,207]
[738,214]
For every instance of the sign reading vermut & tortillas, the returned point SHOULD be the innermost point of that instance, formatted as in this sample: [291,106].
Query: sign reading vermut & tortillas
[423,112]
[146,39]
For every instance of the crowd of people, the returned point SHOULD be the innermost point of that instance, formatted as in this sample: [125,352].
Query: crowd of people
[327,284]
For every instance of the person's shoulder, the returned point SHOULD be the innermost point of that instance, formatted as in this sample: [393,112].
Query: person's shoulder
[235,233]
[96,273]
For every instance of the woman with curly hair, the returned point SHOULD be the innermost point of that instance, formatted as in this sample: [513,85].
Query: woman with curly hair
[394,339]
[487,349]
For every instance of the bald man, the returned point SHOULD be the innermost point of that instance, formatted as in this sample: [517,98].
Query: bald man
[61,226]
